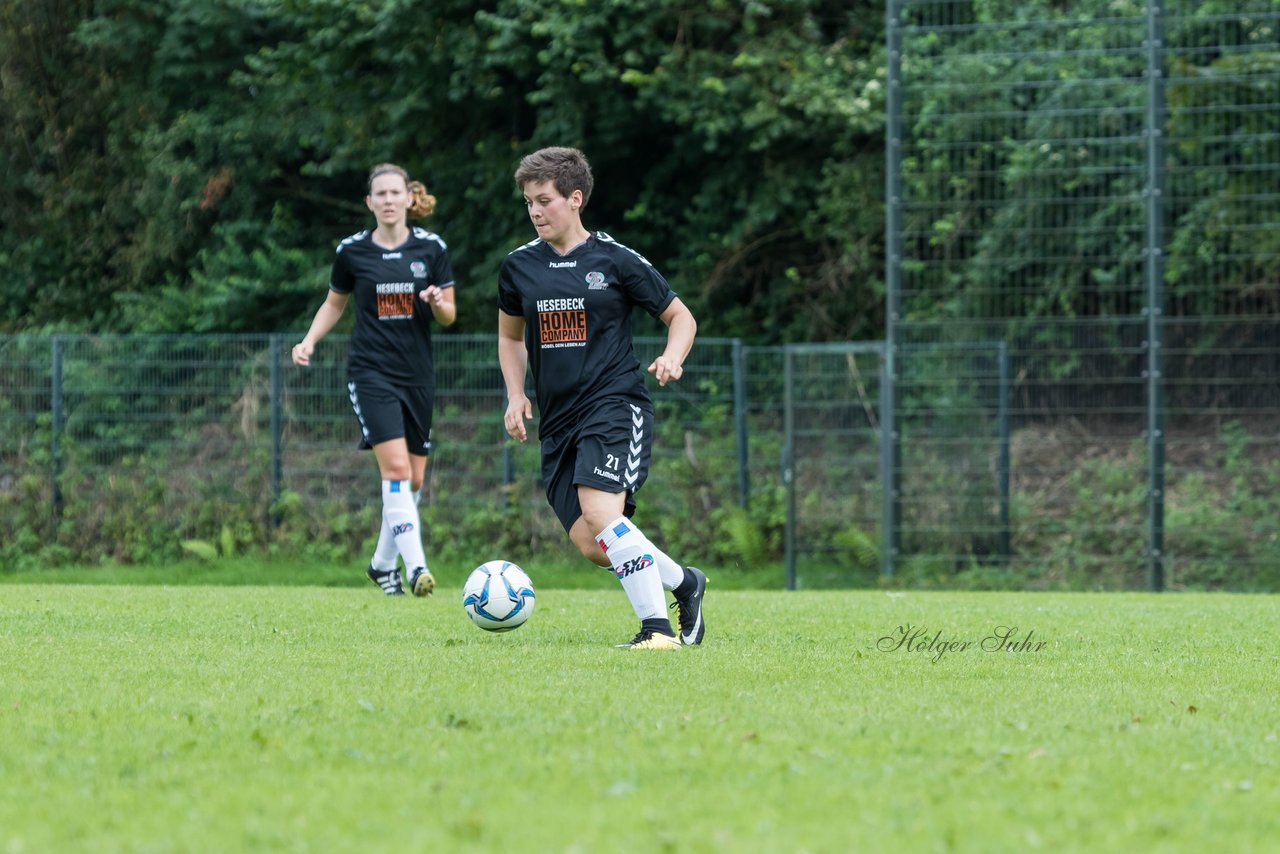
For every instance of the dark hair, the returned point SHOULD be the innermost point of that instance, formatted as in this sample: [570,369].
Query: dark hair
[423,202]
[567,168]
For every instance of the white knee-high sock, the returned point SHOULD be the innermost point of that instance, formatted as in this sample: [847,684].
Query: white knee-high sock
[400,515]
[386,552]
[632,556]
[672,573]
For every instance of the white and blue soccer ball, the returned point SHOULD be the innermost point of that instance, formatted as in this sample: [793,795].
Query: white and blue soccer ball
[498,596]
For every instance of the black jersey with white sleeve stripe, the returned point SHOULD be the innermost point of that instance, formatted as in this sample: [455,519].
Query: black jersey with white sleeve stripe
[577,309]
[392,335]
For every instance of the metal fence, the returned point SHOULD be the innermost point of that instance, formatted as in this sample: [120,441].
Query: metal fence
[126,446]
[1096,187]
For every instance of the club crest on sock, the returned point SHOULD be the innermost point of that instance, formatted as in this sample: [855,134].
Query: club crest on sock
[634,565]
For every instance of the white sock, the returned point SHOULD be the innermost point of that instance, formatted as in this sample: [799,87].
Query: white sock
[672,573]
[386,552]
[400,515]
[632,556]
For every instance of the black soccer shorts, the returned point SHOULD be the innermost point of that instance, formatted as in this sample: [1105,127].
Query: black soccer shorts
[389,412]
[609,449]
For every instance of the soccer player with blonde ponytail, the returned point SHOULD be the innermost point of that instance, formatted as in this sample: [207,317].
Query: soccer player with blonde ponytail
[402,282]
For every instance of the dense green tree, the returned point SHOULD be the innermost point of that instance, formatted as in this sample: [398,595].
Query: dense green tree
[1026,172]
[68,160]
[188,165]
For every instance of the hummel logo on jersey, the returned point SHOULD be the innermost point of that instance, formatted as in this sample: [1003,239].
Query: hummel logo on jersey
[633,566]
[556,265]
[391,256]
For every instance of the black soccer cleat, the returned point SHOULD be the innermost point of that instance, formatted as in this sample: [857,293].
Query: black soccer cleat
[388,580]
[688,606]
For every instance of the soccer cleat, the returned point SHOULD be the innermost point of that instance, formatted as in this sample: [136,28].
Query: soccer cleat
[689,607]
[388,580]
[422,581]
[651,639]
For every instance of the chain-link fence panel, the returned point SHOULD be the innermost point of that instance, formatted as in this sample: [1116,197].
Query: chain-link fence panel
[1094,187]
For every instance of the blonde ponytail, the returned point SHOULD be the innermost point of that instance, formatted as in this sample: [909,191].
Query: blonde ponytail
[423,202]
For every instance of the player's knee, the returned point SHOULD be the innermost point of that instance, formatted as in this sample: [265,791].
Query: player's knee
[394,470]
[594,523]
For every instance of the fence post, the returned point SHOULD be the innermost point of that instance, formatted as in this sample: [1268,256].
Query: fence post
[890,455]
[740,423]
[55,427]
[1002,418]
[277,425]
[788,466]
[1154,310]
[890,450]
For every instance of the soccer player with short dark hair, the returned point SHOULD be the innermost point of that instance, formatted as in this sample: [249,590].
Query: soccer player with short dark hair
[402,281]
[564,312]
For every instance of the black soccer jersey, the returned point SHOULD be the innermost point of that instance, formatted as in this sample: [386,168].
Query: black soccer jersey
[392,337]
[577,313]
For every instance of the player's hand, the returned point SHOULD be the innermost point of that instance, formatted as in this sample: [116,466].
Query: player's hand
[432,295]
[666,369]
[519,410]
[301,353]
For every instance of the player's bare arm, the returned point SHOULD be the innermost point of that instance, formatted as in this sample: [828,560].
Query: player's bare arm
[327,316]
[681,330]
[513,358]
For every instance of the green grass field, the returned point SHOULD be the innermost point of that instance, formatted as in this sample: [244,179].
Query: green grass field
[292,718]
